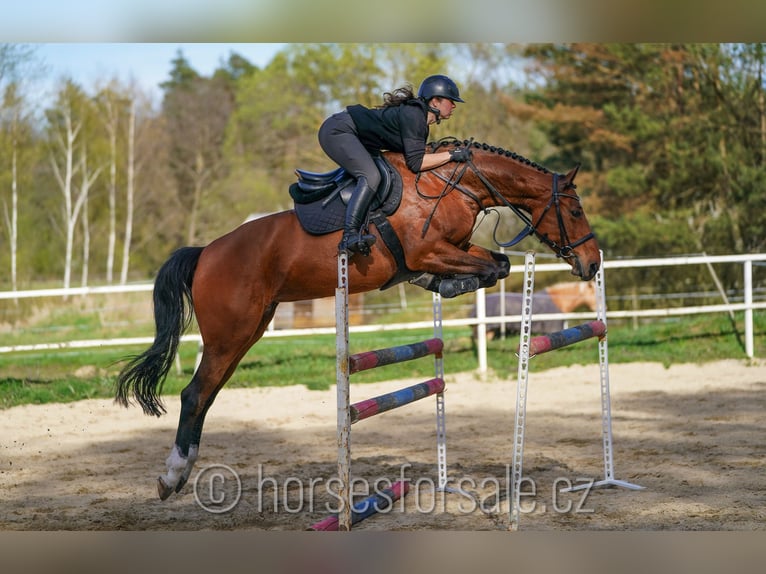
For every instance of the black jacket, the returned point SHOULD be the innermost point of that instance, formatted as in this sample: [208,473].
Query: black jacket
[401,129]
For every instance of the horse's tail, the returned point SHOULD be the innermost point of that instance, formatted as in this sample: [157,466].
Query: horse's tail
[144,375]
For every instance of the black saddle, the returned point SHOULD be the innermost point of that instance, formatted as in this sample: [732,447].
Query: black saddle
[320,204]
[321,198]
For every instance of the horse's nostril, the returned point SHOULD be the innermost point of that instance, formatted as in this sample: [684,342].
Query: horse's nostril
[593,269]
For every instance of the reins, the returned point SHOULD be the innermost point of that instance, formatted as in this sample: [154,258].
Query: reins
[450,183]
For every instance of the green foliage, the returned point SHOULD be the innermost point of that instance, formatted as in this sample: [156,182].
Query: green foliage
[678,130]
[627,181]
[38,378]
[643,235]
[672,130]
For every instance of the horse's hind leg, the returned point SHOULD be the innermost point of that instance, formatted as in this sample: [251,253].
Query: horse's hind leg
[183,455]
[217,365]
[195,401]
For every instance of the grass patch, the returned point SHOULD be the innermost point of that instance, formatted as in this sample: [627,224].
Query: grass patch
[62,376]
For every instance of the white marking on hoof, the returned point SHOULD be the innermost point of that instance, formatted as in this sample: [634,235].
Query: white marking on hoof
[193,453]
[175,463]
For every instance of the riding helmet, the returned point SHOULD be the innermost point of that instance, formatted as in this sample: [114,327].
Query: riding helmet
[439,86]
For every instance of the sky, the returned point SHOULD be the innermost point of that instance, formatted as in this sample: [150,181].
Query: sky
[148,63]
[396,20]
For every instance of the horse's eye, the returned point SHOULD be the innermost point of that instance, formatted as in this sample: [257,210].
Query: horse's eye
[577,213]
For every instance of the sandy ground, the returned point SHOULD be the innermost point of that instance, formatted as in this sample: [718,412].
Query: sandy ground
[691,435]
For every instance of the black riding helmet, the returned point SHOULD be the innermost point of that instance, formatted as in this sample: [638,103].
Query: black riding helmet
[439,86]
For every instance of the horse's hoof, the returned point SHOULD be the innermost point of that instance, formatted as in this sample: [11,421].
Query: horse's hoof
[503,262]
[181,484]
[163,489]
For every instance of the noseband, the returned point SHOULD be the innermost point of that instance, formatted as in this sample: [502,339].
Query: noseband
[566,250]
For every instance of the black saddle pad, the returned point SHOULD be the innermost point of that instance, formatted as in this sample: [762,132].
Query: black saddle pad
[328,214]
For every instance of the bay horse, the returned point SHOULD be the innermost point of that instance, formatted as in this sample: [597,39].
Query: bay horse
[234,284]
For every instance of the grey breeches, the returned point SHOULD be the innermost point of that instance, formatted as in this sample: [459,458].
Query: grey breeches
[338,138]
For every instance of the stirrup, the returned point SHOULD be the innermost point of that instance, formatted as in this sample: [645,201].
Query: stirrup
[356,242]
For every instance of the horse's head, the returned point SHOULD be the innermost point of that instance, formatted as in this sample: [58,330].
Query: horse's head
[560,222]
[545,201]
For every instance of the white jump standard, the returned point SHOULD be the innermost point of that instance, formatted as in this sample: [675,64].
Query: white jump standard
[349,414]
[529,347]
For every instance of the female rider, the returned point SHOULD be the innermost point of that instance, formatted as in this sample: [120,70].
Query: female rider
[351,137]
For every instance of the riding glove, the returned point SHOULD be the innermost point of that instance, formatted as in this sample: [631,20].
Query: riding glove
[460,154]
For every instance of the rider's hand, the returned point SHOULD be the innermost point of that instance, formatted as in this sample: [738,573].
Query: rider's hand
[460,154]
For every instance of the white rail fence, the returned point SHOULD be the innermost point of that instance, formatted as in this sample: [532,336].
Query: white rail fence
[748,306]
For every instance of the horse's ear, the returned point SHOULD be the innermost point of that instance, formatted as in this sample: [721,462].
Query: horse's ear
[572,173]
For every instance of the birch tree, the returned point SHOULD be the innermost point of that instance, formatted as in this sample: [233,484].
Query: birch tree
[15,136]
[196,110]
[110,105]
[129,193]
[66,121]
[87,178]
[16,132]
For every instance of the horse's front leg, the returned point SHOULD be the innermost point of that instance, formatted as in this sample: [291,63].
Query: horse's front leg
[458,271]
[453,283]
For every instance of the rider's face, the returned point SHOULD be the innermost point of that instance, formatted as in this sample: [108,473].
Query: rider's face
[444,105]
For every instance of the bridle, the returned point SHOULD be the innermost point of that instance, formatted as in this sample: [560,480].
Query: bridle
[565,251]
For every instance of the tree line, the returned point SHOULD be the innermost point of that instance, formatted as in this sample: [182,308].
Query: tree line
[103,183]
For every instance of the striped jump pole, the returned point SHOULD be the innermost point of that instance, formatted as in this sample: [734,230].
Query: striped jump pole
[371,407]
[552,341]
[367,507]
[529,347]
[373,359]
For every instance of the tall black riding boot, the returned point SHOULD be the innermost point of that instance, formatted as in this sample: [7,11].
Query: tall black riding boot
[356,212]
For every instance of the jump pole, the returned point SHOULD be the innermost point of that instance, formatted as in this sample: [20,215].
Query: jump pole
[552,341]
[371,407]
[367,507]
[373,359]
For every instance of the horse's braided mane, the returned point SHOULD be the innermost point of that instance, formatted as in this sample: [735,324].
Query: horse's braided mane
[450,141]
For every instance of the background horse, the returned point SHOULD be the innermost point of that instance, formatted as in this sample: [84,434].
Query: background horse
[562,297]
[234,284]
